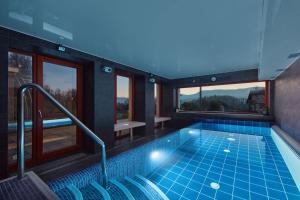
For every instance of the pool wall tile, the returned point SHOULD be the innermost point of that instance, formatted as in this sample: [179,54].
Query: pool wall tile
[237,126]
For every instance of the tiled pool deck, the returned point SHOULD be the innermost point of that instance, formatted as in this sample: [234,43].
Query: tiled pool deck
[253,169]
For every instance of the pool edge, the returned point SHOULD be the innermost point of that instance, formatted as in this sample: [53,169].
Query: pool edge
[289,154]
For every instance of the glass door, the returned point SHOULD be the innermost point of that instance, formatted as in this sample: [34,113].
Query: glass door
[57,133]
[20,71]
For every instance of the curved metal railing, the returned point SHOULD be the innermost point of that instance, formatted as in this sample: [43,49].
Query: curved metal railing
[21,128]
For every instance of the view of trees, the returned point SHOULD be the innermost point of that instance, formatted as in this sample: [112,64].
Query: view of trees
[226,100]
[216,103]
[19,73]
[66,97]
[123,108]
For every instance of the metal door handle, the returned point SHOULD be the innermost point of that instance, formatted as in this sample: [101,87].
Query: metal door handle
[40,114]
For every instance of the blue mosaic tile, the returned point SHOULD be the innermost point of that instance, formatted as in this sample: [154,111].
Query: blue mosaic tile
[185,163]
[253,169]
[237,126]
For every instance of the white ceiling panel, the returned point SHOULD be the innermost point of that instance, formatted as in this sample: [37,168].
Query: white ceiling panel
[170,38]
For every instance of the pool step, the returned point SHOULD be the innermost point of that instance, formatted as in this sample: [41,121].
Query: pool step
[118,191]
[136,188]
[155,192]
[70,192]
[94,191]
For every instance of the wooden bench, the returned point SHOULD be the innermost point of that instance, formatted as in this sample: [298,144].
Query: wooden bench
[162,120]
[128,125]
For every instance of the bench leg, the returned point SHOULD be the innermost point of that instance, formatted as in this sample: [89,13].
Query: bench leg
[162,125]
[131,134]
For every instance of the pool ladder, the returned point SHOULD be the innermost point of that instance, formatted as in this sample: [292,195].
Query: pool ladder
[21,128]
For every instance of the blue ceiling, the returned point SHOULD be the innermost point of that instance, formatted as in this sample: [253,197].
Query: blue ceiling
[171,38]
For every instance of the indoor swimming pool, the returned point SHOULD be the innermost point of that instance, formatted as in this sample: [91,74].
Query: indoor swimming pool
[208,160]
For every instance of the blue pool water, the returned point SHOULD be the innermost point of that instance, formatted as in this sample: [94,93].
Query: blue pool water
[186,163]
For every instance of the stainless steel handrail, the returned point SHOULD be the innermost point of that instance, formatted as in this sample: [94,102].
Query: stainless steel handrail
[21,127]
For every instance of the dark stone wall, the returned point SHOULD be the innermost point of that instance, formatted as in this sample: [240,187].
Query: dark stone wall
[104,114]
[287,100]
[3,103]
[223,78]
[144,109]
[168,104]
[98,105]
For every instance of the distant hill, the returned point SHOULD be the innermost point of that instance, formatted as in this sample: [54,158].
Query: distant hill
[122,100]
[239,93]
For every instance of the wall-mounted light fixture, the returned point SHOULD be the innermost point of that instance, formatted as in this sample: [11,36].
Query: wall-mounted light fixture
[107,69]
[151,78]
[61,48]
[213,79]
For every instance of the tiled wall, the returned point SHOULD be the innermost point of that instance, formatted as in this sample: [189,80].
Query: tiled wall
[130,163]
[287,101]
[237,126]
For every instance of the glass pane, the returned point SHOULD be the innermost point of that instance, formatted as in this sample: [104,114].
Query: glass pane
[19,73]
[244,97]
[189,99]
[123,98]
[61,82]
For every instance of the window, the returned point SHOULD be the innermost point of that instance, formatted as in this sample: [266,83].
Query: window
[123,98]
[19,73]
[241,97]
[61,82]
[189,99]
[157,98]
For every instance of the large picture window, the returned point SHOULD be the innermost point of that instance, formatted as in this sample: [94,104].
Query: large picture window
[123,98]
[240,97]
[189,99]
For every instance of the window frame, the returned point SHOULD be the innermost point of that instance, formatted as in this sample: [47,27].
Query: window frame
[37,154]
[158,99]
[266,101]
[131,94]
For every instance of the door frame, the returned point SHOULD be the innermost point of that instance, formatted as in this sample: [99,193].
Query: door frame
[41,156]
[37,156]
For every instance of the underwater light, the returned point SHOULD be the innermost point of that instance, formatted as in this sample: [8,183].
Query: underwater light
[155,155]
[215,186]
[194,132]
[231,139]
[226,150]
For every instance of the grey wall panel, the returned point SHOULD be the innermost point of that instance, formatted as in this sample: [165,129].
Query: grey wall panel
[287,100]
